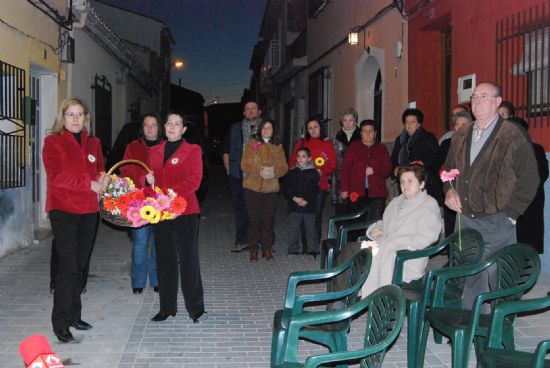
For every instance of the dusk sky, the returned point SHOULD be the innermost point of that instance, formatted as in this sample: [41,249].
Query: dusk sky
[215,38]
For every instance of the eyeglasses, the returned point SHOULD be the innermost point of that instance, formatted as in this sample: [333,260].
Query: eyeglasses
[481,97]
[174,123]
[73,115]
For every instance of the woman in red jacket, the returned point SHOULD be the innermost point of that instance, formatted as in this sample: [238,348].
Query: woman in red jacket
[144,257]
[75,176]
[324,159]
[365,169]
[177,165]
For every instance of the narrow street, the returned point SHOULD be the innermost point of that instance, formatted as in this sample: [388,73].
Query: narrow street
[240,299]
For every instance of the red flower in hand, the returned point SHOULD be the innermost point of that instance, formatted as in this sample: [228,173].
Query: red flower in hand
[353,197]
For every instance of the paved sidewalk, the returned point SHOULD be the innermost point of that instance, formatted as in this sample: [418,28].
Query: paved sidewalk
[240,299]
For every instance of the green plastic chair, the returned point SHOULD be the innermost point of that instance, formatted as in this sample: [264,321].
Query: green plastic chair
[330,248]
[517,270]
[332,335]
[334,233]
[384,312]
[418,293]
[497,356]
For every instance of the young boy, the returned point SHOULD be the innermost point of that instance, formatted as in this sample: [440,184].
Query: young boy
[301,190]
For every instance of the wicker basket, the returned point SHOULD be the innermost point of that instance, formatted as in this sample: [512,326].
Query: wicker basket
[105,214]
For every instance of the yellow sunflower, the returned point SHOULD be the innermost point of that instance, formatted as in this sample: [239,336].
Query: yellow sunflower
[319,161]
[147,212]
[156,217]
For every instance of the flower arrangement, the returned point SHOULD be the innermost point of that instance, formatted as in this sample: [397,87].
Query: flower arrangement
[450,176]
[135,207]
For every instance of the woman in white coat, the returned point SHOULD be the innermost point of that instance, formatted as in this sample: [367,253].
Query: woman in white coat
[411,221]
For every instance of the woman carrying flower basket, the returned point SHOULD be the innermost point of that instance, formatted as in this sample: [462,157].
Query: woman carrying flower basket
[324,158]
[75,176]
[144,257]
[177,165]
[263,163]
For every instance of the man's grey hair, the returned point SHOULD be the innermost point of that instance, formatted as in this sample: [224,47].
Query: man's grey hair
[349,111]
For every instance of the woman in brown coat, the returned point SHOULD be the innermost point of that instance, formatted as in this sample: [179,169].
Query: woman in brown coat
[263,163]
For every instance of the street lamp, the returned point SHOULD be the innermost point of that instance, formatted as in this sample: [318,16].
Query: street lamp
[353,36]
[178,64]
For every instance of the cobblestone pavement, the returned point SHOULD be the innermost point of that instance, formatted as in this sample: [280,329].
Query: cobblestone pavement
[240,299]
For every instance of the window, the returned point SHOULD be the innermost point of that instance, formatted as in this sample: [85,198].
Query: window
[320,98]
[522,44]
[12,127]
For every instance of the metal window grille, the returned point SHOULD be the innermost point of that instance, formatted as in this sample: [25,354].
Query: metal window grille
[12,126]
[522,44]
[274,54]
[320,97]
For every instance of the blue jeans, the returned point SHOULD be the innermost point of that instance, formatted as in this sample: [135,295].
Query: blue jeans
[143,258]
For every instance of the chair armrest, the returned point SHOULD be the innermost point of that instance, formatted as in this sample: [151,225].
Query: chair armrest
[506,308]
[443,275]
[332,232]
[344,231]
[296,277]
[404,255]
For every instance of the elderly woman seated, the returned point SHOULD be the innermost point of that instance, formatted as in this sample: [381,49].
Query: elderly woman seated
[410,221]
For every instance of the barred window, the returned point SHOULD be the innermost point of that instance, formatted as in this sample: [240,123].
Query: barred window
[12,126]
[522,43]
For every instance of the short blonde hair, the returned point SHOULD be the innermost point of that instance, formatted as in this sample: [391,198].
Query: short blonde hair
[59,123]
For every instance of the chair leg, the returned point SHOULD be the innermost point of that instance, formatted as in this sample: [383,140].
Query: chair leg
[413,334]
[461,349]
[277,347]
[330,256]
[423,332]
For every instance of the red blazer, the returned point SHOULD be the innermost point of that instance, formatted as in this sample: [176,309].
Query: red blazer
[358,156]
[318,148]
[136,150]
[182,172]
[70,168]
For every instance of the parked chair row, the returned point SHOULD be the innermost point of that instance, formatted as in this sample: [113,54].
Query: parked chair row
[433,301]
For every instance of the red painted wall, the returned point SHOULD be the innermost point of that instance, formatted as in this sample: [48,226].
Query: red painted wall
[473,24]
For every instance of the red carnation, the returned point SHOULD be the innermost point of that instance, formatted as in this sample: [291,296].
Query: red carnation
[353,197]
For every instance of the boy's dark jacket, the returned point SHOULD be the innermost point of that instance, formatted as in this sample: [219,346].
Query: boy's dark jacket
[302,183]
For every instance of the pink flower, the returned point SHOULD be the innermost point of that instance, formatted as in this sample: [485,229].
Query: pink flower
[449,175]
[255,145]
[163,202]
[139,223]
[133,214]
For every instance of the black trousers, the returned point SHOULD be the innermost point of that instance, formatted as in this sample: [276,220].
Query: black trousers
[74,237]
[178,240]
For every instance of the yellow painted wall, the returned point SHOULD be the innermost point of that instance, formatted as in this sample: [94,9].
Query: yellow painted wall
[28,37]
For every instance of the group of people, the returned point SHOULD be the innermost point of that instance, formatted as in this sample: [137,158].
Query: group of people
[498,180]
[76,177]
